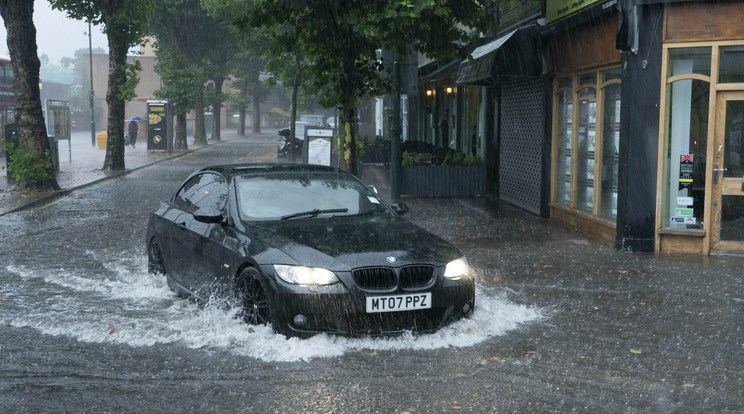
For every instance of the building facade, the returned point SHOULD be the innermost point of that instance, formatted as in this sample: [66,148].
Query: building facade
[622,119]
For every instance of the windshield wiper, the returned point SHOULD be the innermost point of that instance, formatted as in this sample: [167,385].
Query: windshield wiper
[371,212]
[314,212]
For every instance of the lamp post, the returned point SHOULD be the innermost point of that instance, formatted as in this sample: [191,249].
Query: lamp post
[92,113]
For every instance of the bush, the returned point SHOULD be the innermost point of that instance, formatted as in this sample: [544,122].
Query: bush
[472,161]
[24,167]
[407,159]
[453,159]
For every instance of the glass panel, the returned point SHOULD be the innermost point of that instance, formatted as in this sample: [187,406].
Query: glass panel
[732,159]
[687,128]
[684,61]
[613,74]
[590,78]
[565,82]
[732,218]
[585,161]
[563,138]
[610,151]
[731,65]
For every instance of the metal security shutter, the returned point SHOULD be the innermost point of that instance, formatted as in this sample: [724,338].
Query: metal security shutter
[522,139]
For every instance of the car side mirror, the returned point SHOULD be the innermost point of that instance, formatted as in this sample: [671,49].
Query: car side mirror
[209,215]
[373,188]
[400,208]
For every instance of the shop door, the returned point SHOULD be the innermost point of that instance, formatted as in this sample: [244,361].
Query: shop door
[727,233]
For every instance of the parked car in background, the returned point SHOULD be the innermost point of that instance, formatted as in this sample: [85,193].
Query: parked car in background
[306,249]
[332,121]
[317,120]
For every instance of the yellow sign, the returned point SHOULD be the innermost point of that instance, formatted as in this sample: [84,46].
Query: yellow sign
[558,9]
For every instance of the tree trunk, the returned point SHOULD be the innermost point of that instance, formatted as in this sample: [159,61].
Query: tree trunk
[293,117]
[241,106]
[117,76]
[181,143]
[346,119]
[200,133]
[256,114]
[29,118]
[217,109]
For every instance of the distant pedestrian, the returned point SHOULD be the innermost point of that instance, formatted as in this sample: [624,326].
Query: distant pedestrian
[133,133]
[444,128]
[474,141]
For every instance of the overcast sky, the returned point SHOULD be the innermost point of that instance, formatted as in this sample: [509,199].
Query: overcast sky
[57,35]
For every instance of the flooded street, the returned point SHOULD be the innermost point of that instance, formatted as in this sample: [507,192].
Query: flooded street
[561,323]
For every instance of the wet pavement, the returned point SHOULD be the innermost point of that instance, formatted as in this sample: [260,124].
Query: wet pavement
[80,165]
[615,332]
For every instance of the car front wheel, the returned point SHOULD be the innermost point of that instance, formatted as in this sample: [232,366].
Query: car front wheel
[253,298]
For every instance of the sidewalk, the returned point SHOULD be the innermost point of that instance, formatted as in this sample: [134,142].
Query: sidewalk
[80,165]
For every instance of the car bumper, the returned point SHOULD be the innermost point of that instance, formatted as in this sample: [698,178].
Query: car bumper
[336,310]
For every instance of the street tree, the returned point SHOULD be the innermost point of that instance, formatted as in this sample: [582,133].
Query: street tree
[31,163]
[341,40]
[125,24]
[181,83]
[207,42]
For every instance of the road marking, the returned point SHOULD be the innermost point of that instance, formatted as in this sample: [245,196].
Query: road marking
[48,205]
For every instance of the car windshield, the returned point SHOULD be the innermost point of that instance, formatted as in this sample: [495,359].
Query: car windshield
[301,195]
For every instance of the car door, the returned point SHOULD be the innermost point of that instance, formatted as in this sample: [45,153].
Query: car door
[198,246]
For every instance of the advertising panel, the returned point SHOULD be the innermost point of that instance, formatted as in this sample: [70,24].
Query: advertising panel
[157,125]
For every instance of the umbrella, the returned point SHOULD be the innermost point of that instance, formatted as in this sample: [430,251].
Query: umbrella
[134,118]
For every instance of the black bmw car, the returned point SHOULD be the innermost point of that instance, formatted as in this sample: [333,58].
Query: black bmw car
[306,249]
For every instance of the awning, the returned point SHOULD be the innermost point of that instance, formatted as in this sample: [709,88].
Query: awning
[518,53]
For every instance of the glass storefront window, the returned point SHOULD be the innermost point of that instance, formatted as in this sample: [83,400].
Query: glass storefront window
[732,218]
[733,163]
[588,78]
[613,74]
[731,64]
[610,151]
[689,60]
[585,161]
[687,138]
[563,138]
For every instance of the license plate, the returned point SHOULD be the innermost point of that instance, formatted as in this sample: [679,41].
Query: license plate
[397,303]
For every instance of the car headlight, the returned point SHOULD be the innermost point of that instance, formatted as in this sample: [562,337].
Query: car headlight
[457,269]
[303,275]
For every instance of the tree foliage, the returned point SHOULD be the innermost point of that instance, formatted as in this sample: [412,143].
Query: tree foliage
[125,24]
[341,40]
[207,42]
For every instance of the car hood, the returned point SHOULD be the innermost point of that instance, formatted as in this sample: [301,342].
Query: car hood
[344,243]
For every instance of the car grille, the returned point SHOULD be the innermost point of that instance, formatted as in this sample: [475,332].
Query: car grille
[416,276]
[385,278]
[375,278]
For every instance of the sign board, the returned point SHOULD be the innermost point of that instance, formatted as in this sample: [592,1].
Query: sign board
[157,125]
[58,122]
[685,171]
[318,146]
[559,9]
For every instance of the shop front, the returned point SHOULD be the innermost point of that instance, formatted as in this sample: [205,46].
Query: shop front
[700,181]
[587,82]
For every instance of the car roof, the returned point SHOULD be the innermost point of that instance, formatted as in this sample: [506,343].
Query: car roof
[239,169]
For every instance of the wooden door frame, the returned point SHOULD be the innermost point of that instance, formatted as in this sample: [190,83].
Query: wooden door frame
[725,186]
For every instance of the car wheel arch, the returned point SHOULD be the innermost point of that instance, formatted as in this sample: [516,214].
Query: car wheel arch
[154,240]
